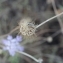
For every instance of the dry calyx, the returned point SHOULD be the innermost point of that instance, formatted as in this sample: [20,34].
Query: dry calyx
[27,27]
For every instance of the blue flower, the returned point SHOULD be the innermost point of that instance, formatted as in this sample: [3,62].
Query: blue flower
[12,44]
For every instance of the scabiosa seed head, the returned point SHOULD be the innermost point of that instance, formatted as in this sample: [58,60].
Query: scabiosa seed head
[12,44]
[27,27]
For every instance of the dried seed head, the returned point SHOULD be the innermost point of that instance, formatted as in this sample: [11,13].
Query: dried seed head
[27,27]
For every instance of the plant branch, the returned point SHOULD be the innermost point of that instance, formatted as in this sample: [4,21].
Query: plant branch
[55,10]
[28,55]
[49,19]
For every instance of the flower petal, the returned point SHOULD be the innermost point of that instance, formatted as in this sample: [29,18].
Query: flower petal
[20,48]
[9,37]
[12,52]
[5,42]
[19,38]
[13,41]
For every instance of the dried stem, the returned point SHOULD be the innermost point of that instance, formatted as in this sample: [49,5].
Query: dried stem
[55,10]
[28,55]
[49,19]
[10,32]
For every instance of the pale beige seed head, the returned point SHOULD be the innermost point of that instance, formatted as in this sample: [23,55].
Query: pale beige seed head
[27,27]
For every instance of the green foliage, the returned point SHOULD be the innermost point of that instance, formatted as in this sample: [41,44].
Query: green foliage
[14,59]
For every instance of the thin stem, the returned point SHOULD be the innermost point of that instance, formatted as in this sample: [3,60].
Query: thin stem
[10,32]
[55,10]
[28,55]
[56,33]
[49,19]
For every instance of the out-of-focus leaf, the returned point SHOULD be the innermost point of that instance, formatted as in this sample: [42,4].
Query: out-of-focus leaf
[14,59]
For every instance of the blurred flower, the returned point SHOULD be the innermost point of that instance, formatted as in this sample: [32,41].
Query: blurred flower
[12,44]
